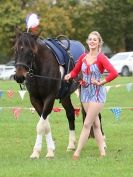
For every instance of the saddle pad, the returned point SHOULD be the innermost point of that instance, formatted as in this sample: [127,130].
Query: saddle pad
[76,49]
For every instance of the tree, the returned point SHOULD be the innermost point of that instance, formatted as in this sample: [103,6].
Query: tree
[11,16]
[114,19]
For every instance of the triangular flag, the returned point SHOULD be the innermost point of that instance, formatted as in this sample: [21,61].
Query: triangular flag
[130,109]
[129,86]
[16,112]
[22,93]
[77,93]
[118,85]
[1,93]
[107,88]
[1,108]
[77,111]
[117,112]
[32,110]
[10,93]
[57,109]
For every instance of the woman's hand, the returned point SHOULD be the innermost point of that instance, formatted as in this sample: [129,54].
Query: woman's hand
[98,83]
[67,76]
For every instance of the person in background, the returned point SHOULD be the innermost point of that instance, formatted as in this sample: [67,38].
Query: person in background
[93,93]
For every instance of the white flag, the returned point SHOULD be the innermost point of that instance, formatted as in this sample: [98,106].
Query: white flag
[22,93]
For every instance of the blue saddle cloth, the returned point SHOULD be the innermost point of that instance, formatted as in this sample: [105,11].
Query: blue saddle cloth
[76,49]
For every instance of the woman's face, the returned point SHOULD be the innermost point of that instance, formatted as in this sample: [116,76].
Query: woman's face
[93,41]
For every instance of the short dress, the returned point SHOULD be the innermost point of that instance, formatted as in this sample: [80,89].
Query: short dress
[89,91]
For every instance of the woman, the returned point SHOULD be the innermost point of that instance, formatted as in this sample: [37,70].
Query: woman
[93,93]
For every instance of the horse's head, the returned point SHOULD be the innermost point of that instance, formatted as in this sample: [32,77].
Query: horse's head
[25,51]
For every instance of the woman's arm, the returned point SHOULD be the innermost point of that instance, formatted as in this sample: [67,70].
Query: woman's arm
[109,67]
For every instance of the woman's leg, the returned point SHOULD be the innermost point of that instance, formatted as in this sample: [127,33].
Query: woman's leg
[92,112]
[98,136]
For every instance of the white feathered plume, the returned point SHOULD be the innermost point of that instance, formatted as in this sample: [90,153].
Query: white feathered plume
[32,21]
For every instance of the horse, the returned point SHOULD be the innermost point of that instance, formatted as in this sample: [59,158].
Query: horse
[38,67]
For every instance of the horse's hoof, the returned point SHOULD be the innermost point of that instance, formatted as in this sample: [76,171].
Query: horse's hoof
[50,154]
[105,146]
[102,156]
[71,147]
[35,154]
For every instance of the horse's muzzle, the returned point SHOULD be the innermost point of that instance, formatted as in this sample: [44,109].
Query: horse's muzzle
[19,79]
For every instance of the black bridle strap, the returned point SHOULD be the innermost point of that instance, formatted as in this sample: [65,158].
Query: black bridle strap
[22,64]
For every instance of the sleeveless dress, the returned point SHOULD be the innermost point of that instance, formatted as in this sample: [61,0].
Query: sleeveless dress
[89,91]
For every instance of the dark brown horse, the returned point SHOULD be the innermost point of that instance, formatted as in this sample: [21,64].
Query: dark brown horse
[37,66]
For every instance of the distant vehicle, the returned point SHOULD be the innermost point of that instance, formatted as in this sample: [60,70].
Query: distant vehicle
[7,72]
[123,63]
[11,63]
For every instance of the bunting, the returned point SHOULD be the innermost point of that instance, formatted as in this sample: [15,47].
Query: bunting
[16,112]
[129,86]
[10,93]
[1,93]
[117,112]
[22,93]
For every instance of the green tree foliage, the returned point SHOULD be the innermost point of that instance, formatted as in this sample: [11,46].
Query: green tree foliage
[53,20]
[114,19]
[73,18]
[11,15]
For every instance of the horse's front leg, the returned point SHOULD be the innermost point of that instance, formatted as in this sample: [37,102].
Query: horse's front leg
[38,105]
[43,129]
[70,113]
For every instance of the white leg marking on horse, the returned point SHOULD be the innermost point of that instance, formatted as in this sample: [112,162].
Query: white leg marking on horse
[38,143]
[72,140]
[49,140]
[43,127]
[50,145]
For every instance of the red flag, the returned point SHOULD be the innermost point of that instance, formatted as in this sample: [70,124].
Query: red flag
[77,111]
[10,93]
[16,112]
[57,109]
[130,109]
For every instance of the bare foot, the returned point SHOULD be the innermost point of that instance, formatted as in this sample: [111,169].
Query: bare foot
[75,157]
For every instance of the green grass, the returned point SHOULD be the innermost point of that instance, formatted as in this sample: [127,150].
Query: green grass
[17,139]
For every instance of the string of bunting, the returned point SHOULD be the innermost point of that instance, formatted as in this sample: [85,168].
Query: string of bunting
[11,92]
[17,110]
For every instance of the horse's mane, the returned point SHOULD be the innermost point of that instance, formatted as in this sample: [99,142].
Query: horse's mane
[27,41]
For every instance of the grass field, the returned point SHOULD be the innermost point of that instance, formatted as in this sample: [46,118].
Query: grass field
[17,138]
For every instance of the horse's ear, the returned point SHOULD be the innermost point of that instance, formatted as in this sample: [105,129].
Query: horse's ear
[18,31]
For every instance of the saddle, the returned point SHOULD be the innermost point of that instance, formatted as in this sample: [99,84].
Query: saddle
[66,51]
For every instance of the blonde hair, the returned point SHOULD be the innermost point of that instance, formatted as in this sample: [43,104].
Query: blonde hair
[99,37]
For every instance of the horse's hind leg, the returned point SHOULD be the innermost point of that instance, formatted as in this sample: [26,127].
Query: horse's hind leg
[70,113]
